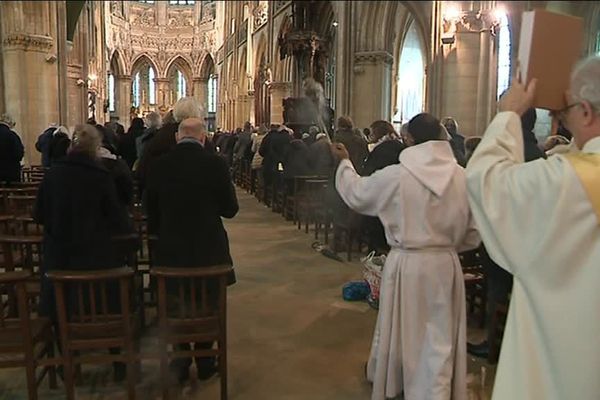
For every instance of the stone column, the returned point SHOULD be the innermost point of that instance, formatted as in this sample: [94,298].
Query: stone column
[123,98]
[278,91]
[30,87]
[372,74]
[200,87]
[251,110]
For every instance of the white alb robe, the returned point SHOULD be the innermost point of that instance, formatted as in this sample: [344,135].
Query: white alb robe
[537,222]
[419,344]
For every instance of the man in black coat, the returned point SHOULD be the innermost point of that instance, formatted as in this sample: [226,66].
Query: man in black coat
[43,144]
[188,191]
[457,141]
[11,153]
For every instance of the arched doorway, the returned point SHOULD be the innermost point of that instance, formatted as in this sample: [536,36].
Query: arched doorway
[262,79]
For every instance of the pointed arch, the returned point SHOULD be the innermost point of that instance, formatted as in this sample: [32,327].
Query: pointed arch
[142,58]
[117,63]
[181,63]
[207,66]
[242,72]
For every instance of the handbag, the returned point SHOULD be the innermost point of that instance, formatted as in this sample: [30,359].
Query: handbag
[372,271]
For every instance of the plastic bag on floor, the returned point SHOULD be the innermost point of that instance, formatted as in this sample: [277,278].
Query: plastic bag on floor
[372,271]
[355,291]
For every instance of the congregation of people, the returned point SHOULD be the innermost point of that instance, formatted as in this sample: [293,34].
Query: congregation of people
[421,193]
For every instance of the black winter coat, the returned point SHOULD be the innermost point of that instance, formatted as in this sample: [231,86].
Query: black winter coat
[356,146]
[188,191]
[11,154]
[321,160]
[273,149]
[78,206]
[296,160]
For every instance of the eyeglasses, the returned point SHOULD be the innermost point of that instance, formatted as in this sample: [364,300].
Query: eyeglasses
[562,113]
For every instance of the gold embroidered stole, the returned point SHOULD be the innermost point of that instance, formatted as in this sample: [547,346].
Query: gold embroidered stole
[587,168]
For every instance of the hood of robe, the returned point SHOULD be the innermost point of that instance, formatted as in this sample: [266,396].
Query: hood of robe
[432,163]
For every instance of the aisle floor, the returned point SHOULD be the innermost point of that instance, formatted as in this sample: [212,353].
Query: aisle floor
[291,336]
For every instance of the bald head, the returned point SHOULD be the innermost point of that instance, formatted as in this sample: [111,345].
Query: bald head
[192,128]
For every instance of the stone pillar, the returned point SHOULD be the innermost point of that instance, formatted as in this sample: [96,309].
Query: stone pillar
[278,92]
[372,74]
[200,87]
[251,110]
[61,48]
[30,83]
[123,98]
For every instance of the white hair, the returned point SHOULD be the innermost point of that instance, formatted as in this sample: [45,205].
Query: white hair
[61,129]
[585,81]
[86,139]
[188,107]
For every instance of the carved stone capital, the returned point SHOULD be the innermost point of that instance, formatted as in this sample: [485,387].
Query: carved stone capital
[373,57]
[28,42]
[280,86]
[200,80]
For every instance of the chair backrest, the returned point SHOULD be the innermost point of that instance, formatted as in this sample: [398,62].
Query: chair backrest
[196,296]
[127,247]
[14,307]
[22,252]
[21,205]
[471,261]
[88,307]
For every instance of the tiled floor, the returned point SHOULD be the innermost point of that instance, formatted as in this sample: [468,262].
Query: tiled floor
[291,336]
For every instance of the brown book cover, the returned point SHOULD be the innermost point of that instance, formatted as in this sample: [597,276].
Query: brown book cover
[549,47]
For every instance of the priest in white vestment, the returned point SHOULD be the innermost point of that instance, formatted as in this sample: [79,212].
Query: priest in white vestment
[541,221]
[419,344]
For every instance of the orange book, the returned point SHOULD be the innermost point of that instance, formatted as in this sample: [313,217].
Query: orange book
[549,47]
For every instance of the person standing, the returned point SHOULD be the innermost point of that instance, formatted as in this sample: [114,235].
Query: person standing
[188,191]
[11,151]
[457,141]
[43,144]
[541,222]
[419,343]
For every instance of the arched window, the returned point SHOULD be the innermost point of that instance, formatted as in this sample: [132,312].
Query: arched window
[212,93]
[181,85]
[504,47]
[411,78]
[137,95]
[143,88]
[111,92]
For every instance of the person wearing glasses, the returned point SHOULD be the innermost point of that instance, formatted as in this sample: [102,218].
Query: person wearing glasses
[541,222]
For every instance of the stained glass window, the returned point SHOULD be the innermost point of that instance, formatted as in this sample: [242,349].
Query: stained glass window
[111,92]
[212,93]
[151,86]
[137,95]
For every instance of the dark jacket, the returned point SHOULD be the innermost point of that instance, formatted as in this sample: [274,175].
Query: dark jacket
[126,148]
[58,147]
[121,175]
[241,145]
[321,160]
[457,143]
[43,145]
[78,206]
[356,146]
[11,154]
[296,161]
[273,149]
[163,141]
[384,154]
[188,191]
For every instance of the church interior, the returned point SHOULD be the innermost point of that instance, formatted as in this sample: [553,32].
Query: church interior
[296,327]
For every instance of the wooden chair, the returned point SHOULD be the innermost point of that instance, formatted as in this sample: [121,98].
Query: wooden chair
[497,327]
[24,253]
[475,286]
[349,232]
[24,342]
[89,322]
[196,319]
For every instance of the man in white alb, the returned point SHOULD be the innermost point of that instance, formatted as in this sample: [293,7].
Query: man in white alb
[541,221]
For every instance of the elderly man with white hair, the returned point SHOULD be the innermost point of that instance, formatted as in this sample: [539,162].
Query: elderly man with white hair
[541,222]
[164,139]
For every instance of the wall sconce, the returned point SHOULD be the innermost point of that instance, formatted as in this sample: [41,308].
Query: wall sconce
[456,20]
[80,82]
[50,58]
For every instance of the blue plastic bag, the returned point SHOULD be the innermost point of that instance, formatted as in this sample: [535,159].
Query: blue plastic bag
[355,291]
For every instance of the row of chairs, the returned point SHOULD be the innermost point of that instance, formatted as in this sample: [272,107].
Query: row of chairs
[304,201]
[85,318]
[92,331]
